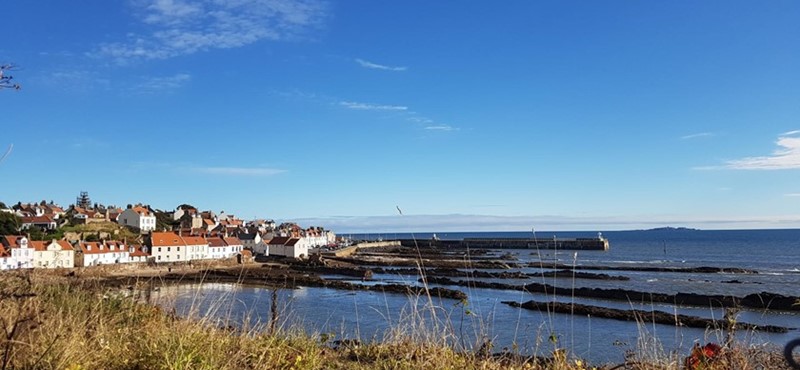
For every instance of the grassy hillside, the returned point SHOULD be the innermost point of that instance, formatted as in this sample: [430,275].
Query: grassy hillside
[96,230]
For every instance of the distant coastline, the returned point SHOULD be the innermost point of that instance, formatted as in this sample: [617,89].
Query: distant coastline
[670,228]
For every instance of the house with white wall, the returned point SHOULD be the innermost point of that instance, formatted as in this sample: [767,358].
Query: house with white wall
[101,253]
[139,217]
[217,248]
[52,254]
[288,247]
[6,263]
[196,247]
[253,242]
[138,253]
[18,253]
[42,222]
[235,244]
[167,247]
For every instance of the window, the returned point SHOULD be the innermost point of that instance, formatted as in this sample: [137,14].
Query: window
[159,258]
[179,249]
[168,248]
[159,249]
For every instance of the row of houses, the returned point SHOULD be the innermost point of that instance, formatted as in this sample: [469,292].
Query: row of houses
[16,251]
[285,246]
[172,247]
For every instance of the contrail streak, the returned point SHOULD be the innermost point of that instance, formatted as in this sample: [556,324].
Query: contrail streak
[10,148]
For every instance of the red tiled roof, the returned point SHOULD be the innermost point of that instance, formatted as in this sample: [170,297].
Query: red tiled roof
[106,247]
[141,210]
[194,240]
[37,220]
[138,252]
[41,246]
[232,240]
[11,241]
[166,239]
[118,246]
[279,240]
[53,209]
[215,242]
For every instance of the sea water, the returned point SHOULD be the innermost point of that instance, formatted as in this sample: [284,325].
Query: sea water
[775,254]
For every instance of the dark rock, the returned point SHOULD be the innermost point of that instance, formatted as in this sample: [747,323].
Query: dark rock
[639,315]
[690,270]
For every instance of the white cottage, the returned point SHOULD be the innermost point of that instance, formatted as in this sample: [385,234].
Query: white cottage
[52,254]
[253,242]
[138,253]
[288,247]
[167,247]
[235,244]
[15,252]
[102,253]
[217,247]
[196,247]
[138,217]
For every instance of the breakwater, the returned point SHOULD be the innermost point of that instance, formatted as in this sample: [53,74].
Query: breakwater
[594,244]
[349,251]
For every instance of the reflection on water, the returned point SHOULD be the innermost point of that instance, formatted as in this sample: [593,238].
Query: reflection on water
[378,316]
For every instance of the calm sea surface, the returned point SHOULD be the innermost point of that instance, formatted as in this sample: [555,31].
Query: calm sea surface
[775,254]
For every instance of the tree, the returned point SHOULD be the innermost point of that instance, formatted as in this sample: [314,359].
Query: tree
[7,80]
[9,223]
[164,220]
[36,233]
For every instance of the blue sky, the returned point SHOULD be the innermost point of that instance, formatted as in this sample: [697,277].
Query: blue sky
[561,115]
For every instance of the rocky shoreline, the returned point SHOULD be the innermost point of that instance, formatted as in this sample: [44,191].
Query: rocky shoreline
[442,270]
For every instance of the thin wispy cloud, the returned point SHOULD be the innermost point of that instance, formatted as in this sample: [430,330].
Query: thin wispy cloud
[85,143]
[180,27]
[420,119]
[793,195]
[697,135]
[428,124]
[190,168]
[365,106]
[371,65]
[160,84]
[74,80]
[786,157]
[238,171]
[398,111]
[441,128]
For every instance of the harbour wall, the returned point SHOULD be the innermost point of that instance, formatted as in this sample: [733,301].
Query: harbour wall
[348,251]
[594,244]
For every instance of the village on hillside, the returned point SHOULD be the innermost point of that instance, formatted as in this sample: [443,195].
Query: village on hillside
[46,235]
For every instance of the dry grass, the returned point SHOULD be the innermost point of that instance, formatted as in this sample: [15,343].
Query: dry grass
[52,322]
